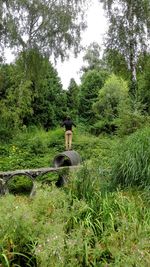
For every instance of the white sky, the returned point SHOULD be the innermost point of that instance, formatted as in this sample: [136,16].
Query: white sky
[97,25]
[94,33]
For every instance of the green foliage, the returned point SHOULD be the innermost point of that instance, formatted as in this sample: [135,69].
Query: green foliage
[111,216]
[116,63]
[78,224]
[113,94]
[144,81]
[53,27]
[89,183]
[32,148]
[37,146]
[6,121]
[103,126]
[127,33]
[31,94]
[92,82]
[30,233]
[56,138]
[20,185]
[47,94]
[5,79]
[73,99]
[116,111]
[92,58]
[15,102]
[75,228]
[131,162]
[131,118]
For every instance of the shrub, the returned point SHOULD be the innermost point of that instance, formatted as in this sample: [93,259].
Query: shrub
[38,146]
[131,162]
[33,139]
[5,134]
[56,138]
[103,126]
[130,117]
[113,94]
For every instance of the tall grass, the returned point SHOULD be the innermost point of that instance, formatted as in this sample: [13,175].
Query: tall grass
[118,222]
[84,223]
[58,228]
[131,162]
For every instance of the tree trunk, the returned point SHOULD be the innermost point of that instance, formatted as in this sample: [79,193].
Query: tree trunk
[132,50]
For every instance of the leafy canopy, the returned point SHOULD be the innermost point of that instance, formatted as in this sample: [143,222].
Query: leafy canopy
[52,26]
[111,95]
[92,57]
[92,81]
[128,32]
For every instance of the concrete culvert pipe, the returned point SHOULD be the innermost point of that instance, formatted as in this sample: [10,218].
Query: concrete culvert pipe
[67,158]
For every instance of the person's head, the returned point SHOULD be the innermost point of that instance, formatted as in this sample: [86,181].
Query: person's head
[68,118]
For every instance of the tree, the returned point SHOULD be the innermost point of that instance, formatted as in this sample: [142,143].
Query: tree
[48,99]
[73,99]
[144,81]
[92,57]
[51,26]
[116,110]
[15,102]
[116,63]
[2,29]
[91,82]
[129,24]
[34,96]
[5,79]
[111,95]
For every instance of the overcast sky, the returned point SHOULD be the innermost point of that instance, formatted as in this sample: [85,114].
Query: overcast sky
[94,33]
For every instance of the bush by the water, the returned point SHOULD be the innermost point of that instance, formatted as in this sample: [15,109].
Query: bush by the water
[131,162]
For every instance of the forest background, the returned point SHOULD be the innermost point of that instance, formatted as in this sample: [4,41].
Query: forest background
[108,199]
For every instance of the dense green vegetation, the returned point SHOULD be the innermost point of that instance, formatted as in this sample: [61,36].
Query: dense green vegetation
[106,202]
[101,216]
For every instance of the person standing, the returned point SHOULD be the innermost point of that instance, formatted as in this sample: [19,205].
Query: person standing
[68,124]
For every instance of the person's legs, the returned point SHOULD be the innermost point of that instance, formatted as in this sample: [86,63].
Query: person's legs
[66,140]
[70,140]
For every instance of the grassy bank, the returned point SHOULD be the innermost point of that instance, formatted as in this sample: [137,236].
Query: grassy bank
[92,220]
[59,227]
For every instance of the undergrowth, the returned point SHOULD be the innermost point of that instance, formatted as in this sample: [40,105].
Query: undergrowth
[100,218]
[131,161]
[64,227]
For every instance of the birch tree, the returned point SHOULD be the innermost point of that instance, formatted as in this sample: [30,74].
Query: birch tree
[129,30]
[53,26]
